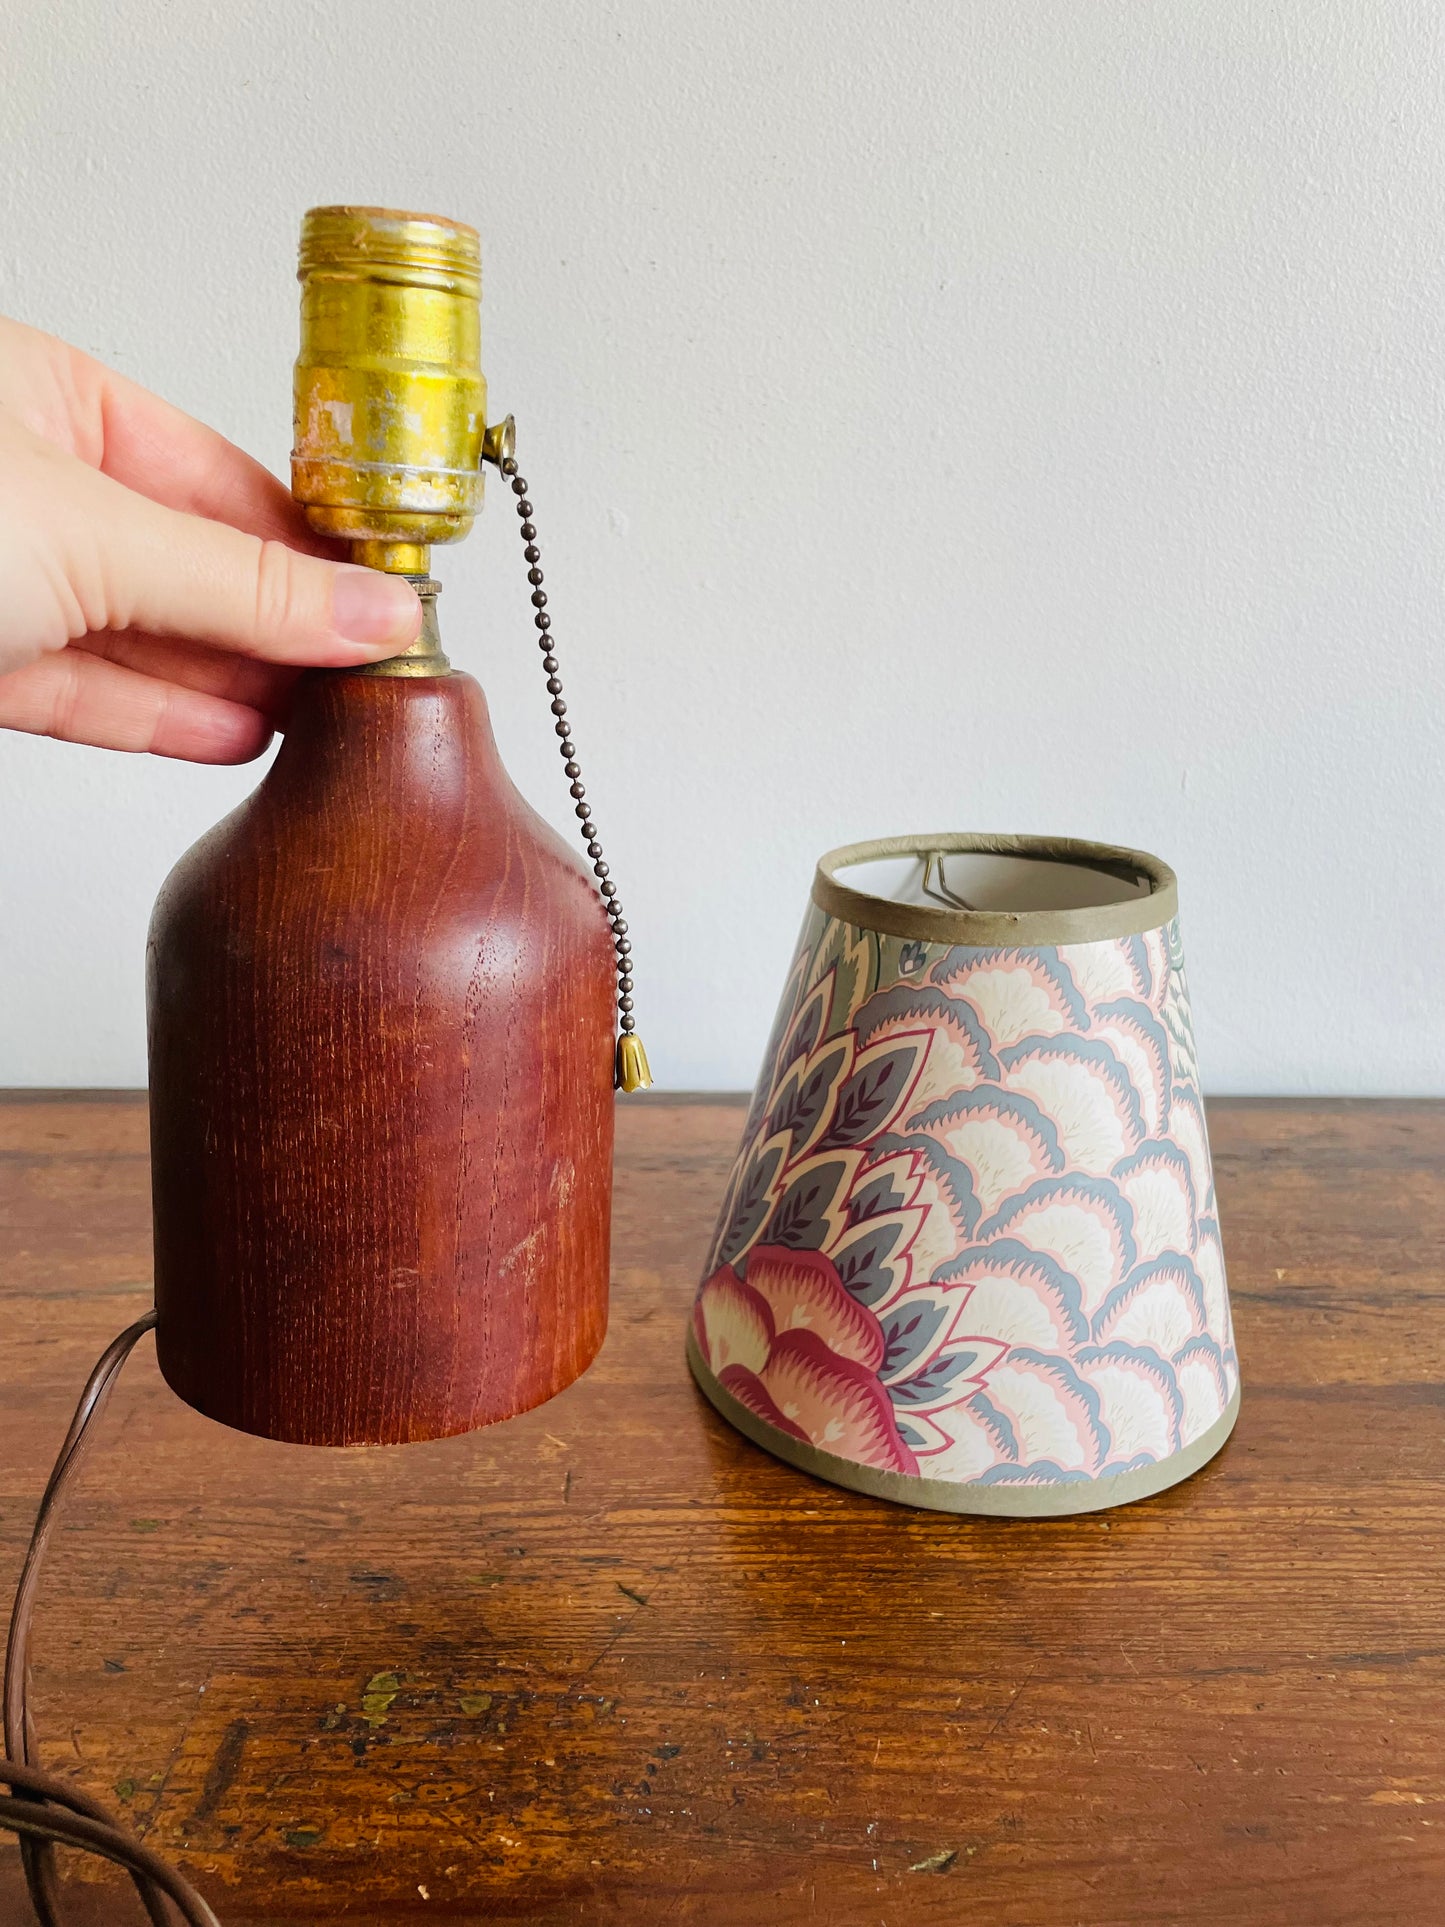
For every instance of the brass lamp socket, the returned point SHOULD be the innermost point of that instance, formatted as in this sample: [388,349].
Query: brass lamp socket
[390,403]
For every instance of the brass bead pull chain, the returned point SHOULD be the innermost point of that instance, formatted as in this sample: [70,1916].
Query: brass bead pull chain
[631,1072]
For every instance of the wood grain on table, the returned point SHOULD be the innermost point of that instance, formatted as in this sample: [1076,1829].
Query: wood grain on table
[610,1663]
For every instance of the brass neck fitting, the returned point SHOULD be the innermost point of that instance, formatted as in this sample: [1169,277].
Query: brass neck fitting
[425,656]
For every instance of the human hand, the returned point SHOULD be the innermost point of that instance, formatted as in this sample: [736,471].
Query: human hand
[161,589]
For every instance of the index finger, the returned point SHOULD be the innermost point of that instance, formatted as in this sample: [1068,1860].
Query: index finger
[160,451]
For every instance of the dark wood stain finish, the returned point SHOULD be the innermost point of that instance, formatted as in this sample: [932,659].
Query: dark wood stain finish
[381,1085]
[609,1663]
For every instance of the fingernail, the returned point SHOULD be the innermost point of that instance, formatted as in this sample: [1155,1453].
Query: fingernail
[370,607]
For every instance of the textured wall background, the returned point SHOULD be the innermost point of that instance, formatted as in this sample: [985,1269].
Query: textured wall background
[1005,415]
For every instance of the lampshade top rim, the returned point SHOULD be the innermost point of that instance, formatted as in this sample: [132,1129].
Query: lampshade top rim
[1155,906]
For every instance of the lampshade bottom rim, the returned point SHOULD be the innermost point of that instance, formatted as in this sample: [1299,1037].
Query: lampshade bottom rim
[1055,1499]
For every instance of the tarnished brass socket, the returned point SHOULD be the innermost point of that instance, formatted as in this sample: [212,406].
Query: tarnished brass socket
[390,404]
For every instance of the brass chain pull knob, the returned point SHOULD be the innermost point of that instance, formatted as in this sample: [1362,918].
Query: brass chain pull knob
[499,443]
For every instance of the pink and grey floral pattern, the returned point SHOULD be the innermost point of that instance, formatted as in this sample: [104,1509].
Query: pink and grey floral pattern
[970,1233]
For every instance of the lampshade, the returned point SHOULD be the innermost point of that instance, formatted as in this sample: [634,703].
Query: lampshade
[969,1256]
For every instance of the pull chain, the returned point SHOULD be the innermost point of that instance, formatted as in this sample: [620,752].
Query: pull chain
[631,1071]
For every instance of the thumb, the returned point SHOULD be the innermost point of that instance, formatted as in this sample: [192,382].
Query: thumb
[133,564]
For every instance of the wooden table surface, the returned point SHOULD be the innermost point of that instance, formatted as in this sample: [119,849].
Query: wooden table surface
[610,1663]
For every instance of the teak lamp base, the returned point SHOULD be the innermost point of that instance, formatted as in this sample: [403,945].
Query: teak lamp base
[381,1085]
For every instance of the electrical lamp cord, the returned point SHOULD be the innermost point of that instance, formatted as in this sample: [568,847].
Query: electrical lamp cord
[45,1810]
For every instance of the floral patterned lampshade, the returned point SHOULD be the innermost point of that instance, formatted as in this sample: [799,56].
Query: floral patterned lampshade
[969,1254]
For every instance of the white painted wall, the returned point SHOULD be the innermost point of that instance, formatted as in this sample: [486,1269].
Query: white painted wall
[1014,414]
